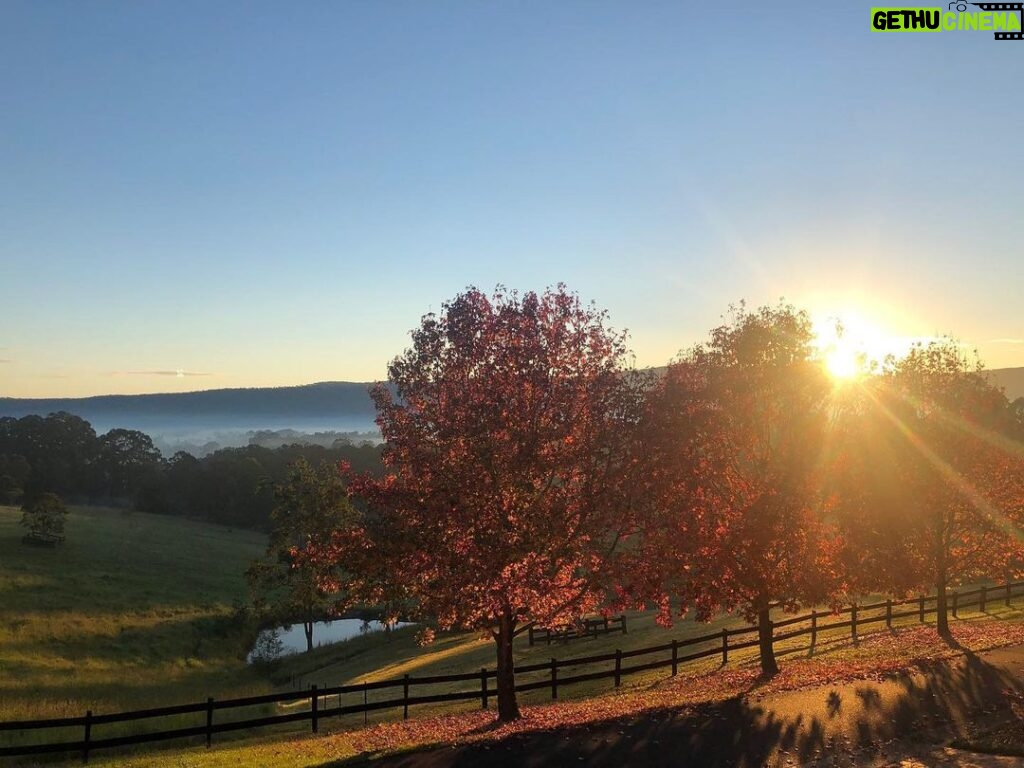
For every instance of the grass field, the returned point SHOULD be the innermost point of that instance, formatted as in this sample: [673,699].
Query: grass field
[138,611]
[343,743]
[132,610]
[369,659]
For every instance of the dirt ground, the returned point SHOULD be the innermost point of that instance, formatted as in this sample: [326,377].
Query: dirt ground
[911,720]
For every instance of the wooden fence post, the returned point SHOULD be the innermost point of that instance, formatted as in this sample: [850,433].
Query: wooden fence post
[209,721]
[314,702]
[530,635]
[88,734]
[405,697]
[85,746]
[622,619]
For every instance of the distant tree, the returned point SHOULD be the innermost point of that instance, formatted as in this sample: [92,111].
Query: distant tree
[312,512]
[15,472]
[126,459]
[10,490]
[506,451]
[59,448]
[934,491]
[44,516]
[737,470]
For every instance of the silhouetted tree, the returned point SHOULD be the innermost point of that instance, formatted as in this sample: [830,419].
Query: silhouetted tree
[14,474]
[60,449]
[126,459]
[934,491]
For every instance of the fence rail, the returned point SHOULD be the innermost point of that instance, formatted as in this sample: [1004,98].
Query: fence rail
[317,699]
[589,628]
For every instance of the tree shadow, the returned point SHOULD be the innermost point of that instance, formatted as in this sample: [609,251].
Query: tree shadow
[933,704]
[660,737]
[953,643]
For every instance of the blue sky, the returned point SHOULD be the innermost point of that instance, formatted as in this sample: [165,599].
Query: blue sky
[274,193]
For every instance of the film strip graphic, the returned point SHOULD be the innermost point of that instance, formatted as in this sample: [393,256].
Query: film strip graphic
[1019,7]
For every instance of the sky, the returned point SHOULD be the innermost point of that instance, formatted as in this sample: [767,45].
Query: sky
[197,195]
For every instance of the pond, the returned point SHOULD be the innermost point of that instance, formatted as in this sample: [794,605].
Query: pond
[282,641]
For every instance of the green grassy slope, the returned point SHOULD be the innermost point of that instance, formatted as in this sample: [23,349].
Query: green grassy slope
[137,611]
[133,610]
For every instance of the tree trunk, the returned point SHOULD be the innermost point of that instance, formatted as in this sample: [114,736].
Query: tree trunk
[941,606]
[941,581]
[508,708]
[769,667]
[307,627]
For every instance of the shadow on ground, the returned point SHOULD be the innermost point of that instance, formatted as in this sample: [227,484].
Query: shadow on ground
[839,725]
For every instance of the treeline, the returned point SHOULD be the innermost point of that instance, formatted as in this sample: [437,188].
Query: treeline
[533,477]
[61,453]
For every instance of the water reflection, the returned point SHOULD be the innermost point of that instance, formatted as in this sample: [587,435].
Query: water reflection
[282,641]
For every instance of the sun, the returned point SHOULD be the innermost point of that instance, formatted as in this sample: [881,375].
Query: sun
[850,346]
[844,362]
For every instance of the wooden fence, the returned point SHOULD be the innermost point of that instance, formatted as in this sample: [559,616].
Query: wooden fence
[614,666]
[589,628]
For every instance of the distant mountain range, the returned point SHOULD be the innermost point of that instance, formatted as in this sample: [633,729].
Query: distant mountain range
[1010,379]
[329,405]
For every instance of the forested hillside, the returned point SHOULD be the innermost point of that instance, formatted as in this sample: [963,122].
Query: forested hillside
[62,453]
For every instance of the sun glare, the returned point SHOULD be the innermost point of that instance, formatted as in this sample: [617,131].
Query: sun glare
[850,346]
[844,362]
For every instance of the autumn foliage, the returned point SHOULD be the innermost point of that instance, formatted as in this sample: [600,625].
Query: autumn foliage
[506,498]
[739,456]
[532,477]
[934,485]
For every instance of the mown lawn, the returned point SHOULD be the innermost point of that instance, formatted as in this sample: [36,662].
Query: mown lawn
[133,610]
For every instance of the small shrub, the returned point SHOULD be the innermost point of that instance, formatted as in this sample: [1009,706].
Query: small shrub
[268,648]
[44,516]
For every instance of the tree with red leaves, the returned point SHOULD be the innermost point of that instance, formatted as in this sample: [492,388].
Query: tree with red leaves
[737,432]
[505,501]
[933,490]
